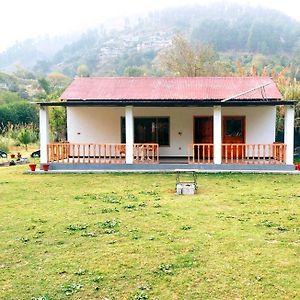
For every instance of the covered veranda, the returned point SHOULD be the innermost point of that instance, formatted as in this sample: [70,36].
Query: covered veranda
[135,156]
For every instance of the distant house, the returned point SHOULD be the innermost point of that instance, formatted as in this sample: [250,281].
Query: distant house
[168,122]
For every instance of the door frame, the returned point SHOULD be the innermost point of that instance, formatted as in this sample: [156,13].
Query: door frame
[194,123]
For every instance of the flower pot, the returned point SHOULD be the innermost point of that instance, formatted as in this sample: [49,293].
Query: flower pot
[32,167]
[45,167]
[12,156]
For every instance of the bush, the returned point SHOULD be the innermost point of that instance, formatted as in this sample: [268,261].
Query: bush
[26,135]
[18,135]
[18,113]
[4,144]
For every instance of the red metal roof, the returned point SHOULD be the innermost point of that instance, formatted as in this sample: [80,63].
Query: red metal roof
[169,88]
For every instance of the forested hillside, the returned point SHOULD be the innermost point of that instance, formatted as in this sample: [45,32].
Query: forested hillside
[243,32]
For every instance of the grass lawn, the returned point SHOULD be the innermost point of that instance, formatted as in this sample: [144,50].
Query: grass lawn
[128,236]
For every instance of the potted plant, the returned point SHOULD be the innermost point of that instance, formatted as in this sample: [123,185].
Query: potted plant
[32,167]
[32,164]
[45,167]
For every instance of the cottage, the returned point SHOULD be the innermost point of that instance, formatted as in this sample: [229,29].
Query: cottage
[164,122]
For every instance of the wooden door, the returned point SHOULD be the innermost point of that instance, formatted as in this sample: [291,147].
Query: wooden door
[234,133]
[203,134]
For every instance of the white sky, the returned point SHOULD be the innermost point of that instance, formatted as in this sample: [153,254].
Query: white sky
[21,19]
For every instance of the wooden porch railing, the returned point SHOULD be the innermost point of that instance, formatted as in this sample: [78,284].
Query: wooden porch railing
[146,153]
[100,153]
[149,153]
[254,153]
[86,153]
[239,153]
[200,153]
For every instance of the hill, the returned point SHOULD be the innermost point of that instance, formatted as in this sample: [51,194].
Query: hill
[28,52]
[233,30]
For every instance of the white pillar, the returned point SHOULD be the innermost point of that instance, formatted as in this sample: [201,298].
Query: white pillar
[44,133]
[217,129]
[129,132]
[289,117]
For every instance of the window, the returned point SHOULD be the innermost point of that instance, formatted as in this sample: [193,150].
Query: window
[233,127]
[149,130]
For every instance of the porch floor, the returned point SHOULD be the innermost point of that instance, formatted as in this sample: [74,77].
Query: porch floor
[170,167]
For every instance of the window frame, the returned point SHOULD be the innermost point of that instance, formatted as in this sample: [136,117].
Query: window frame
[233,138]
[156,118]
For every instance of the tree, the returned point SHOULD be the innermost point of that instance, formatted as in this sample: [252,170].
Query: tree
[9,97]
[18,113]
[58,123]
[44,84]
[83,71]
[135,71]
[24,137]
[58,80]
[181,59]
[21,72]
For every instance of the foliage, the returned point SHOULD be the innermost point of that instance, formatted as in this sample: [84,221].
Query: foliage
[77,227]
[58,123]
[26,135]
[4,144]
[83,71]
[83,51]
[70,289]
[290,89]
[45,297]
[9,97]
[44,84]
[182,59]
[18,113]
[12,134]
[57,80]
[242,242]
[251,30]
[135,71]
[13,88]
[23,73]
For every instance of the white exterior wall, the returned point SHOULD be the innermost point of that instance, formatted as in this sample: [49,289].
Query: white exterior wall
[260,122]
[103,125]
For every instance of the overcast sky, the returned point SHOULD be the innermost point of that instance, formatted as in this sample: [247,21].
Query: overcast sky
[21,19]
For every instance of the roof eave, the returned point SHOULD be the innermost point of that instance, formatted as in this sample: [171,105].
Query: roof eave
[169,103]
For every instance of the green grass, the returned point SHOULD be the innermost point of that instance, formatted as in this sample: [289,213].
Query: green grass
[128,236]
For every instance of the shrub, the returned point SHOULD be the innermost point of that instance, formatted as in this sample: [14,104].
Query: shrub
[26,135]
[4,144]
[18,113]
